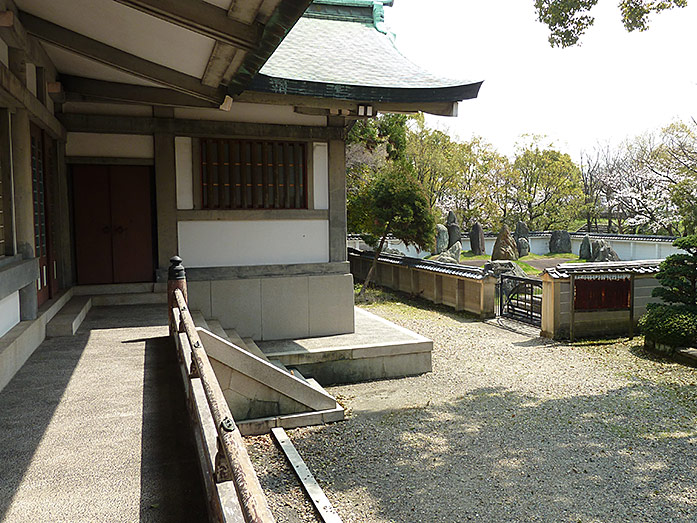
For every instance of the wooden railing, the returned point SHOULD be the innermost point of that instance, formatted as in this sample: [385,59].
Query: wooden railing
[231,462]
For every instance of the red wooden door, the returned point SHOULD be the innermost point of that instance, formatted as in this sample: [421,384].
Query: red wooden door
[38,179]
[131,221]
[113,224]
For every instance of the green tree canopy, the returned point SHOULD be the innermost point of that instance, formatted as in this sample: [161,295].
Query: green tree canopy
[392,202]
[568,20]
[678,274]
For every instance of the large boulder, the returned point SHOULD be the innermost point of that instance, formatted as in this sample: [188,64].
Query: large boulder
[523,246]
[451,218]
[441,238]
[505,247]
[454,234]
[499,267]
[521,230]
[605,253]
[477,244]
[585,252]
[452,255]
[560,242]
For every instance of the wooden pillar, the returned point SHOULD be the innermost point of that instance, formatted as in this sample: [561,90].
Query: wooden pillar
[572,306]
[166,193]
[337,196]
[64,251]
[631,305]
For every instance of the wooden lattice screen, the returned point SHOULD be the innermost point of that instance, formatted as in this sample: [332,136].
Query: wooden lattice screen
[253,174]
[602,294]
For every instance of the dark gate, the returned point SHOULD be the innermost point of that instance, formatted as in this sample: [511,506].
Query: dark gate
[521,299]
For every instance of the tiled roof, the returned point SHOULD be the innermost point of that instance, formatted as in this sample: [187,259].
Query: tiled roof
[347,57]
[452,269]
[565,270]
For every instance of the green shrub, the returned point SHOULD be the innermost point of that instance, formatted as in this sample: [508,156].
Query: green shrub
[674,325]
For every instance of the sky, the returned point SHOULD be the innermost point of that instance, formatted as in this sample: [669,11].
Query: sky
[615,86]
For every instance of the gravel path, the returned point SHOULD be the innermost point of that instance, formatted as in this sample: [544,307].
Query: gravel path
[507,427]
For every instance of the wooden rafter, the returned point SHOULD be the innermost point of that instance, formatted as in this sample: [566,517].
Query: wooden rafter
[118,59]
[203,18]
[15,36]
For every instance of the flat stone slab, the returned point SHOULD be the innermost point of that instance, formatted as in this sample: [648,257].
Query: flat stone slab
[377,349]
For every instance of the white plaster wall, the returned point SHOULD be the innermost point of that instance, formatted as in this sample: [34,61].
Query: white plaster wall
[253,242]
[320,174]
[9,313]
[110,145]
[185,174]
[252,113]
[4,53]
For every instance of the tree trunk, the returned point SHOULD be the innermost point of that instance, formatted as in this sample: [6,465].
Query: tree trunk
[375,263]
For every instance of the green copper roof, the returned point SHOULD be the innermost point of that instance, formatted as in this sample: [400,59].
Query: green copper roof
[335,51]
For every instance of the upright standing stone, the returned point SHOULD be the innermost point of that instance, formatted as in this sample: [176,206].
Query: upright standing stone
[451,218]
[523,245]
[505,247]
[477,240]
[454,234]
[584,251]
[560,242]
[521,230]
[441,238]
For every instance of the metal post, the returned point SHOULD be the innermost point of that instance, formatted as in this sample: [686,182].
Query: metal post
[176,279]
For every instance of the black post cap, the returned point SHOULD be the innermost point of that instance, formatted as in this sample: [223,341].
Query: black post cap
[176,269]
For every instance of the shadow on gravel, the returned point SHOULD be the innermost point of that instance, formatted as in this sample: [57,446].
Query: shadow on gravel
[495,455]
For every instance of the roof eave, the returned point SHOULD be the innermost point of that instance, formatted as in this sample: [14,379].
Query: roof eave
[364,93]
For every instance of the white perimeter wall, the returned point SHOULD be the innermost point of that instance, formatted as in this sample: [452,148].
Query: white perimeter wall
[262,242]
[9,312]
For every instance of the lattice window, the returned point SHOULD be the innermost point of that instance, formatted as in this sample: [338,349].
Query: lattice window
[253,174]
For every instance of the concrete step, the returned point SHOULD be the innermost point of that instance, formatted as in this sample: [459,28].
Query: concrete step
[70,317]
[216,328]
[199,320]
[116,288]
[140,298]
[312,382]
[254,348]
[280,366]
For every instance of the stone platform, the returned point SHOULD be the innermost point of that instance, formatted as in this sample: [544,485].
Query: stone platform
[378,349]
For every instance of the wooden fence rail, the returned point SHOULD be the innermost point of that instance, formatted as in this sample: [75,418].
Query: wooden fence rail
[232,462]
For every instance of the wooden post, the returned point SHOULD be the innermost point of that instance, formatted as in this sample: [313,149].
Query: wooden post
[176,279]
[631,306]
[572,294]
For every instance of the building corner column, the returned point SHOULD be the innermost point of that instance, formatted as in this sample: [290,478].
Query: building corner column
[165,194]
[337,195]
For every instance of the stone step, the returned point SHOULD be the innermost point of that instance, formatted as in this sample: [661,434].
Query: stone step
[140,298]
[216,328]
[280,365]
[70,317]
[254,349]
[116,288]
[199,320]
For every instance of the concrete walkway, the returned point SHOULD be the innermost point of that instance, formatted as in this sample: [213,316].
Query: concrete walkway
[94,427]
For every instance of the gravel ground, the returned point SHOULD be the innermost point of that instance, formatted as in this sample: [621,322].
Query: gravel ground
[507,427]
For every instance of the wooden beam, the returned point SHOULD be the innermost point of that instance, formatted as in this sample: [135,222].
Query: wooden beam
[106,124]
[86,89]
[218,63]
[55,92]
[203,18]
[15,36]
[118,59]
[437,108]
[13,90]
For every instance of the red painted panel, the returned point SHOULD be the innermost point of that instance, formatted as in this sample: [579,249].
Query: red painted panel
[92,224]
[593,295]
[131,219]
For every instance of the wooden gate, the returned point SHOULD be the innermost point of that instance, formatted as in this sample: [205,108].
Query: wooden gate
[520,299]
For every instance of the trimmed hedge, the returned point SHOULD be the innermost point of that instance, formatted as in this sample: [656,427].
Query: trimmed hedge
[670,325]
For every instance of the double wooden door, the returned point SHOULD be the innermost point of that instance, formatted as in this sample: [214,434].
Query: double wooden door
[113,224]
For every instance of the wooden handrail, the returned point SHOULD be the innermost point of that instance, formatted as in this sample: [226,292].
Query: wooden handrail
[254,505]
